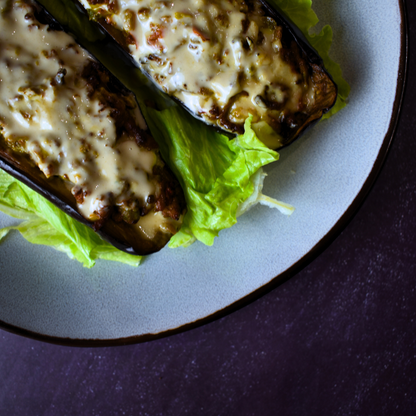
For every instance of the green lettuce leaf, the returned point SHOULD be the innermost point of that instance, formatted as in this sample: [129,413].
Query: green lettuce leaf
[215,172]
[46,224]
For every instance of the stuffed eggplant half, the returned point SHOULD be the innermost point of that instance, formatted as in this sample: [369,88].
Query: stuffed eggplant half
[70,131]
[224,60]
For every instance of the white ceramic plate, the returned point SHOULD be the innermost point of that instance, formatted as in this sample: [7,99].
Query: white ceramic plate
[324,175]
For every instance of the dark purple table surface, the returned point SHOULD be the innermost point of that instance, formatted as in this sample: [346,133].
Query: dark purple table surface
[339,338]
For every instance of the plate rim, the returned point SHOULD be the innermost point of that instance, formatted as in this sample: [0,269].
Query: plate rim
[295,268]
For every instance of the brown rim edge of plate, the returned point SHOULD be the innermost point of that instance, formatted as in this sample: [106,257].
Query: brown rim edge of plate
[291,271]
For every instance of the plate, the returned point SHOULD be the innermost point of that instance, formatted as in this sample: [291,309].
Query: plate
[325,175]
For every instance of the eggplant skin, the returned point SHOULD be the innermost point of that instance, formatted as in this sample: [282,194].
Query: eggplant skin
[114,228]
[287,101]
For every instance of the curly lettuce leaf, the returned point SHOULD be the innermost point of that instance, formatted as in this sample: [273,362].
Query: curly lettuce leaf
[215,172]
[46,224]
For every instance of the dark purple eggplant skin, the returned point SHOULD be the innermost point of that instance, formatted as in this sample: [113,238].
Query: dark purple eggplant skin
[120,234]
[290,33]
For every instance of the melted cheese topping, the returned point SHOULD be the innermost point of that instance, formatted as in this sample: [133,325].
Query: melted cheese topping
[46,110]
[210,55]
